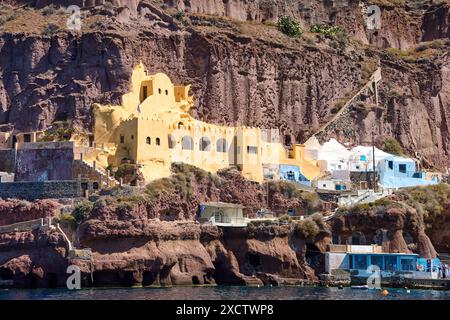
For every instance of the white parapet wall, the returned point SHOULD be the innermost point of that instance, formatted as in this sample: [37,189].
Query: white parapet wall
[336,260]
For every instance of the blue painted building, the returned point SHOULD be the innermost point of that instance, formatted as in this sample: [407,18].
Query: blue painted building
[399,172]
[390,262]
[293,173]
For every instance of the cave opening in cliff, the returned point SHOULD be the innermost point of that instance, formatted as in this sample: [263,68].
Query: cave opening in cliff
[112,278]
[164,275]
[195,280]
[31,281]
[127,279]
[52,280]
[315,258]
[254,260]
[357,238]
[148,278]
[6,274]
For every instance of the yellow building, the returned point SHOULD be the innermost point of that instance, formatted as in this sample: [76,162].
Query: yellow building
[152,127]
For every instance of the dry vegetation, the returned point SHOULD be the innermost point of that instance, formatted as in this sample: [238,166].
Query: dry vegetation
[48,20]
[423,51]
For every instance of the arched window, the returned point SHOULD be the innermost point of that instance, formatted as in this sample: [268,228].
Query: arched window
[204,144]
[221,145]
[166,92]
[180,124]
[158,142]
[159,90]
[148,140]
[171,141]
[186,143]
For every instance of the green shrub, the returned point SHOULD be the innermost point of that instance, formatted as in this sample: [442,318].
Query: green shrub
[82,210]
[429,45]
[432,200]
[397,52]
[335,109]
[156,187]
[48,10]
[285,218]
[179,15]
[126,169]
[307,229]
[50,29]
[327,30]
[392,146]
[12,17]
[289,27]
[67,218]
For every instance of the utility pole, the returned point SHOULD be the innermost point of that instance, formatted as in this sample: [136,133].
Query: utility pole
[373,159]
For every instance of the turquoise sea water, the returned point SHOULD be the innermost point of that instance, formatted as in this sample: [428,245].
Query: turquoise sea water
[221,293]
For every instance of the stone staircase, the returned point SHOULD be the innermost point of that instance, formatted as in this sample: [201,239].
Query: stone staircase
[91,171]
[367,89]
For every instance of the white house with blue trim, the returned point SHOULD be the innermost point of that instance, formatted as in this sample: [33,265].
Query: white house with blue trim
[400,172]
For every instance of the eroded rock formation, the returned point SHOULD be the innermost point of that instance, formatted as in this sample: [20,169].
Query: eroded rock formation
[394,225]
[242,73]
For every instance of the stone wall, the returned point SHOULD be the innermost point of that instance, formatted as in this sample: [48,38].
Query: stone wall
[358,177]
[44,161]
[41,190]
[7,160]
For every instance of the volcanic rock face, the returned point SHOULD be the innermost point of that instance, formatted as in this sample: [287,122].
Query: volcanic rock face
[241,73]
[13,211]
[33,259]
[396,226]
[189,253]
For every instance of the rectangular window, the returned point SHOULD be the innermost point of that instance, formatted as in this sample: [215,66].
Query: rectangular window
[252,150]
[362,158]
[391,164]
[402,168]
[390,263]
[377,261]
[144,93]
[27,137]
[360,262]
[407,264]
[122,139]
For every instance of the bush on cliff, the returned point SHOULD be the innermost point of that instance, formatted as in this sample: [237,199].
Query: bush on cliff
[289,26]
[179,181]
[433,201]
[82,211]
[50,29]
[391,145]
[307,229]
[289,190]
[327,30]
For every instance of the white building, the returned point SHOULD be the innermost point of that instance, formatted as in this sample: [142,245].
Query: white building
[361,158]
[333,156]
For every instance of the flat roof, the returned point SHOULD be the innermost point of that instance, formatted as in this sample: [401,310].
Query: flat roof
[222,205]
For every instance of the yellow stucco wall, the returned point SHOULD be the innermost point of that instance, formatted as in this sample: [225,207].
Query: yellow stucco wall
[156,109]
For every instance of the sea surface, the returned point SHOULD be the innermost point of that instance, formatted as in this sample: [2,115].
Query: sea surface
[222,293]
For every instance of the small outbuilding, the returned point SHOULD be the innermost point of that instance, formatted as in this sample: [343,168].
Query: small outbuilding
[222,214]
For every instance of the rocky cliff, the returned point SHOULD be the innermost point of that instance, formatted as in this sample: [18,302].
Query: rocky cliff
[243,70]
[153,252]
[132,247]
